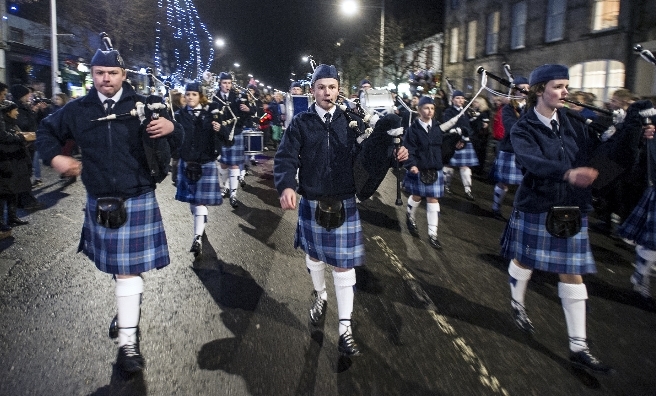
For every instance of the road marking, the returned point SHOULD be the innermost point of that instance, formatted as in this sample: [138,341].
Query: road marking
[466,352]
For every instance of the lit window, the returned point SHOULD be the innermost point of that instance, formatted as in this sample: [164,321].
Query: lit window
[471,40]
[555,20]
[492,36]
[453,46]
[600,77]
[606,14]
[518,29]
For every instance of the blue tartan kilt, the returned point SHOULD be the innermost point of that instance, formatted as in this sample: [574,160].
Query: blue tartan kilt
[205,191]
[506,169]
[466,156]
[527,240]
[414,186]
[342,247]
[233,155]
[640,226]
[138,246]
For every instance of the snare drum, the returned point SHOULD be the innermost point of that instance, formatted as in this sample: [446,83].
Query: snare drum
[378,101]
[253,141]
[295,104]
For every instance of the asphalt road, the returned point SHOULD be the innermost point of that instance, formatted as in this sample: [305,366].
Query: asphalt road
[235,322]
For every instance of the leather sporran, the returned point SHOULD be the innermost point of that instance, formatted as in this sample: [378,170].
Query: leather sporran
[428,176]
[330,213]
[111,212]
[564,221]
[193,171]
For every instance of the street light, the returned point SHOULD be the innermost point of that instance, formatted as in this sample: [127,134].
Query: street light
[350,7]
[219,42]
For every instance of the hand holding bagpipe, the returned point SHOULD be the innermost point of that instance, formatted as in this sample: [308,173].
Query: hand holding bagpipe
[353,123]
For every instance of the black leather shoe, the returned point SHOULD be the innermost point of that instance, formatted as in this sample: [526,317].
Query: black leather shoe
[318,309]
[4,227]
[113,328]
[469,196]
[17,221]
[233,202]
[225,193]
[585,361]
[242,181]
[432,239]
[521,318]
[347,346]
[196,246]
[129,359]
[412,225]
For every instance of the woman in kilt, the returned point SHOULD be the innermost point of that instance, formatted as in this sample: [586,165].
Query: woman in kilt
[553,150]
[506,171]
[424,143]
[319,145]
[465,157]
[198,173]
[640,226]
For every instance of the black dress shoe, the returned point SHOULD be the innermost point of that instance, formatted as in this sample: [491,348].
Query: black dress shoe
[585,361]
[4,227]
[469,196]
[432,239]
[113,328]
[17,221]
[129,359]
[233,202]
[318,309]
[242,181]
[196,246]
[347,346]
[225,193]
[521,318]
[412,225]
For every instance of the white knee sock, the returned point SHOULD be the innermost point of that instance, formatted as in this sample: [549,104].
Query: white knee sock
[200,218]
[412,207]
[234,181]
[465,175]
[448,175]
[128,299]
[344,283]
[223,176]
[499,194]
[519,278]
[645,259]
[317,270]
[432,211]
[242,167]
[572,297]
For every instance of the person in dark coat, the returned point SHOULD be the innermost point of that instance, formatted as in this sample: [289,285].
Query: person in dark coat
[14,165]
[123,232]
[554,152]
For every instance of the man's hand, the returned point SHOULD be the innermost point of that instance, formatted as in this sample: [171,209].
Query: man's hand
[402,154]
[581,177]
[288,199]
[648,131]
[414,170]
[244,108]
[159,127]
[66,166]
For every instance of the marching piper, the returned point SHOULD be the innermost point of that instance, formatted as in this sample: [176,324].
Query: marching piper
[319,144]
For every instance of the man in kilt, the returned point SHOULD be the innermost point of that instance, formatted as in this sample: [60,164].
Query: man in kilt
[553,150]
[320,146]
[465,157]
[198,174]
[424,177]
[640,226]
[232,156]
[123,232]
[506,171]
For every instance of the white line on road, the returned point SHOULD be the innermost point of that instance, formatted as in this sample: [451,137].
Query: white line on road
[467,353]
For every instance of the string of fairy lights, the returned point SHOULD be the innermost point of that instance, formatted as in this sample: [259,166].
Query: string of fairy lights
[190,42]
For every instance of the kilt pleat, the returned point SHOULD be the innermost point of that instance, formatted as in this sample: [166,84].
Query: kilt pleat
[342,247]
[413,185]
[506,169]
[138,246]
[233,155]
[205,191]
[465,156]
[640,226]
[527,240]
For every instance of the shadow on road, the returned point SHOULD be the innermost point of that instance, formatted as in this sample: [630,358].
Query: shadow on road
[123,385]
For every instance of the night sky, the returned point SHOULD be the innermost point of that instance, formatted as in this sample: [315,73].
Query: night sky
[269,37]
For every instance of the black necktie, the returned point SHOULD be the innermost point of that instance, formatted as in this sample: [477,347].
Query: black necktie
[109,103]
[327,118]
[554,127]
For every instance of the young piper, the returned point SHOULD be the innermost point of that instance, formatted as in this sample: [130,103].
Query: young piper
[321,146]
[424,177]
[553,150]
